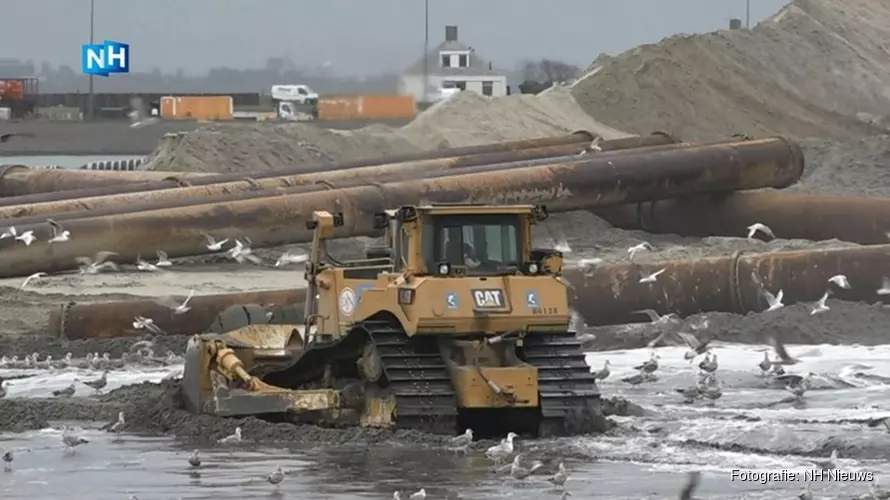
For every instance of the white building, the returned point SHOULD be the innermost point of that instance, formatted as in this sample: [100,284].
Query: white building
[452,65]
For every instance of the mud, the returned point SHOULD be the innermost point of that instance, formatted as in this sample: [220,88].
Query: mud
[156,409]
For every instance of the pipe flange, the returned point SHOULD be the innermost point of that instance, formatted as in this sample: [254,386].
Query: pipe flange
[666,134]
[646,215]
[4,169]
[327,184]
[588,136]
[178,180]
[736,300]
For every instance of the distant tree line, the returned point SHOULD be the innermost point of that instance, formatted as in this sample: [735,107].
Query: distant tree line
[540,75]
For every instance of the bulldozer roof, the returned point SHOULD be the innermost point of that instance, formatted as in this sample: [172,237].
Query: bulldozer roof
[477,208]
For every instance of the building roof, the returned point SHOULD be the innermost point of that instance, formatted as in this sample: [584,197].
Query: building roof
[478,66]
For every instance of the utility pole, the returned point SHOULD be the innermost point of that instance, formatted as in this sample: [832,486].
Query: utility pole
[426,49]
[747,14]
[91,101]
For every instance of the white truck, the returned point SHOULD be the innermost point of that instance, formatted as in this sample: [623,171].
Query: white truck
[294,102]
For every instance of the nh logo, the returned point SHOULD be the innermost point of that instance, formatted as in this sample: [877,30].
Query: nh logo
[105,58]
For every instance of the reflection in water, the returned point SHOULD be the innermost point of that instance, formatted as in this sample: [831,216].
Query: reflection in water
[643,458]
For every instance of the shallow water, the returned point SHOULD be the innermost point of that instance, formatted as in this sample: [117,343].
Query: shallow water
[754,427]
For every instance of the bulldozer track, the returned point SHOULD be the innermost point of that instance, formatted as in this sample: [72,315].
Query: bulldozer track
[568,391]
[417,377]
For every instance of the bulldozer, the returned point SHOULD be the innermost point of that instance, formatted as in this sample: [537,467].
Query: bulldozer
[454,322]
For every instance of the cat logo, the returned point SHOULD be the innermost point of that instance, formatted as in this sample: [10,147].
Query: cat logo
[488,298]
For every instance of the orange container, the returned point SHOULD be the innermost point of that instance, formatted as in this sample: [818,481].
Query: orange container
[11,89]
[197,107]
[366,107]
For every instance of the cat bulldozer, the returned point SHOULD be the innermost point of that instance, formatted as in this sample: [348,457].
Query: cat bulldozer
[455,322]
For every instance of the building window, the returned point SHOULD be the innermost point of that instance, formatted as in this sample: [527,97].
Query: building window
[463,61]
[487,88]
[446,60]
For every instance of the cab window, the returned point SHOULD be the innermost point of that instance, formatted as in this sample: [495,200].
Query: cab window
[485,245]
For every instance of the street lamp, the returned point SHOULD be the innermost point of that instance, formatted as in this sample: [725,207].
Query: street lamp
[747,14]
[426,49]
[90,101]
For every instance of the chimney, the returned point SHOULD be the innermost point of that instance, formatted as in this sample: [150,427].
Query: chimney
[450,33]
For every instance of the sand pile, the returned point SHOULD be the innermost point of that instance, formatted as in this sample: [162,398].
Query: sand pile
[256,147]
[858,167]
[468,119]
[818,68]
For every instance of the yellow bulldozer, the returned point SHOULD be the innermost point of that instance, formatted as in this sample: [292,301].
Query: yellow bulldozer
[455,322]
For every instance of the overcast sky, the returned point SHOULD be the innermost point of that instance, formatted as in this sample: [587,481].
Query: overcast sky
[353,36]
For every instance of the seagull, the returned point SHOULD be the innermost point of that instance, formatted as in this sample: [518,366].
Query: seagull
[175,306]
[650,278]
[66,392]
[3,391]
[709,364]
[637,248]
[7,461]
[820,304]
[593,147]
[99,383]
[885,286]
[655,317]
[560,478]
[560,246]
[418,495]
[650,365]
[59,233]
[696,347]
[9,233]
[589,265]
[503,450]
[753,228]
[689,393]
[144,265]
[290,258]
[242,251]
[830,463]
[639,378]
[692,480]
[233,438]
[519,472]
[774,301]
[72,442]
[195,459]
[799,385]
[806,494]
[779,347]
[840,280]
[213,245]
[603,373]
[30,278]
[276,477]
[117,425]
[765,364]
[97,263]
[27,238]
[710,389]
[163,260]
[143,323]
[463,440]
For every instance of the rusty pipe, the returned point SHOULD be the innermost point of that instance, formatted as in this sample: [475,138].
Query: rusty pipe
[115,319]
[725,284]
[17,182]
[580,137]
[790,215]
[33,214]
[19,179]
[603,179]
[232,190]
[612,293]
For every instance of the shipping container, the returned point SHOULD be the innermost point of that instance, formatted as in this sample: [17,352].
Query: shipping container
[197,108]
[366,107]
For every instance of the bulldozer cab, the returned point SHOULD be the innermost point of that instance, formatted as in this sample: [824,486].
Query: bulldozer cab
[441,269]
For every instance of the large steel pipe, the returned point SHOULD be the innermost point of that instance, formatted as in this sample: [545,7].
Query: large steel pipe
[232,190]
[19,179]
[591,181]
[789,215]
[115,319]
[611,293]
[304,183]
[166,182]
